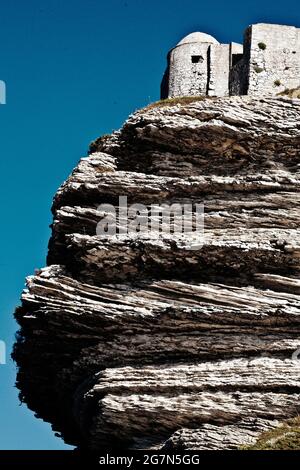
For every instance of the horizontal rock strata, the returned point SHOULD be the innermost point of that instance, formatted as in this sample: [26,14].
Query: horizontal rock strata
[165,341]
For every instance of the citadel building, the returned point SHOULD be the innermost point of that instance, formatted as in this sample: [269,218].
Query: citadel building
[267,63]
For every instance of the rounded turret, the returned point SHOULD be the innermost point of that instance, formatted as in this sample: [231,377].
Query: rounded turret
[188,66]
[198,37]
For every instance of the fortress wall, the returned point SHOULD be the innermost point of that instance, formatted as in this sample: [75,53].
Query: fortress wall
[239,72]
[267,63]
[187,78]
[277,67]
[219,58]
[238,83]
[235,51]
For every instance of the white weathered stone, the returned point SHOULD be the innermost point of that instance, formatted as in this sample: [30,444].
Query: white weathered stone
[266,65]
[140,343]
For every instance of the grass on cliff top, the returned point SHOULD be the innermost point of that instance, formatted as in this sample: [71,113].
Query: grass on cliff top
[291,93]
[284,437]
[174,101]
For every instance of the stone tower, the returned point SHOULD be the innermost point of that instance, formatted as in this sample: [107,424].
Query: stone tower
[199,65]
[271,62]
[268,63]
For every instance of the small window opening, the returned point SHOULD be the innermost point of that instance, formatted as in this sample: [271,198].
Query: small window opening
[196,59]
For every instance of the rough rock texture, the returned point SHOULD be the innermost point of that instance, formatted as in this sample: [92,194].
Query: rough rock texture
[146,342]
[273,58]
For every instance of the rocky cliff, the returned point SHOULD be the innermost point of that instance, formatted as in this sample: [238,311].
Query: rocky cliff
[143,342]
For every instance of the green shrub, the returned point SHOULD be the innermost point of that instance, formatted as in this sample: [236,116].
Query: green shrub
[262,46]
[277,83]
[258,69]
[96,145]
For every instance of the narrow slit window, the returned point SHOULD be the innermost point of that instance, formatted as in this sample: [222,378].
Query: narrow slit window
[196,59]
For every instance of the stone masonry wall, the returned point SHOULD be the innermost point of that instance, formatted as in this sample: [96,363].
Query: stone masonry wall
[235,50]
[267,64]
[219,59]
[238,82]
[274,62]
[188,78]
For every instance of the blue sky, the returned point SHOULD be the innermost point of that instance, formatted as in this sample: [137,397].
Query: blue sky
[75,70]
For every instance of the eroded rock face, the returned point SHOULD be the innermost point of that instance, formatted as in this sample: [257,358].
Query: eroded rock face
[143,342]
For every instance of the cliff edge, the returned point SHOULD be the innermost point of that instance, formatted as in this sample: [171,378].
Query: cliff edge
[142,342]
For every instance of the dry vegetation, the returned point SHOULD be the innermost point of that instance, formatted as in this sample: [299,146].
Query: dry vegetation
[175,101]
[284,437]
[291,93]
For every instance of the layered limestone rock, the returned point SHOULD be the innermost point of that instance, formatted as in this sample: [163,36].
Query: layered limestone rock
[140,341]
